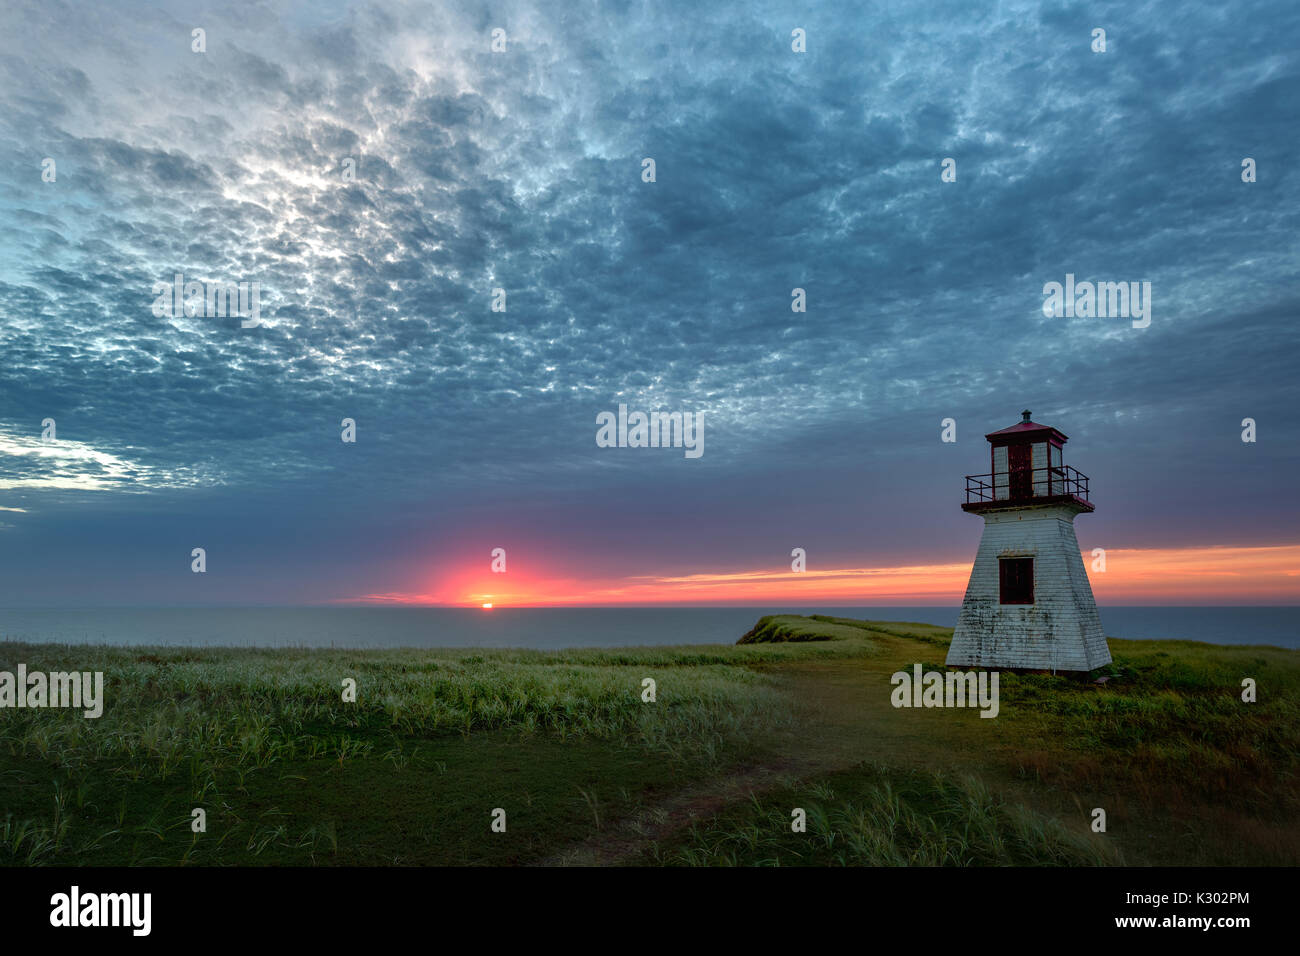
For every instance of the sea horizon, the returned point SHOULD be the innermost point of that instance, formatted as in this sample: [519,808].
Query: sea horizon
[555,627]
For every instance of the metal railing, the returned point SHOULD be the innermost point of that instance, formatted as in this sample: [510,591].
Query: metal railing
[1027,483]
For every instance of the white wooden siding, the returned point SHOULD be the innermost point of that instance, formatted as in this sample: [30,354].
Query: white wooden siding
[1061,630]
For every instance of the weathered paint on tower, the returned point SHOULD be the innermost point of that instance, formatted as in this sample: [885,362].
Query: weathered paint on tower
[1028,604]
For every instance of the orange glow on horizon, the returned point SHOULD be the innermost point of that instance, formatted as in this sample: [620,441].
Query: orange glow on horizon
[1222,575]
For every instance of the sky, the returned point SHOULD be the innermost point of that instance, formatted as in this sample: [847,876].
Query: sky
[380,171]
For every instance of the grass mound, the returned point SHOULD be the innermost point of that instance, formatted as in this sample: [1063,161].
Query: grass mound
[794,629]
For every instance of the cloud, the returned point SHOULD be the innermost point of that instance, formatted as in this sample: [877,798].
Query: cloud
[71,465]
[521,171]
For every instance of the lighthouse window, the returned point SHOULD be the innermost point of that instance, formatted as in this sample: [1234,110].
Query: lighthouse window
[1017,580]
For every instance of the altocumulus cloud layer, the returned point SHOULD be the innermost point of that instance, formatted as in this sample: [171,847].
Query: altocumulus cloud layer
[522,170]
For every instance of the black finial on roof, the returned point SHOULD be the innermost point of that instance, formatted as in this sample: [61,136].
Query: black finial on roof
[1025,413]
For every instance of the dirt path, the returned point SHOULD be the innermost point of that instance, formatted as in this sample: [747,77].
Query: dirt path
[843,717]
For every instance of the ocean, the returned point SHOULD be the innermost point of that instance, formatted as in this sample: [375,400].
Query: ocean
[547,628]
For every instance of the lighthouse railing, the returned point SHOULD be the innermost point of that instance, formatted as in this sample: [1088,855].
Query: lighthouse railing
[1058,480]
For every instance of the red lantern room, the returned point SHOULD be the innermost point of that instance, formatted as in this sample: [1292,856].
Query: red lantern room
[1026,470]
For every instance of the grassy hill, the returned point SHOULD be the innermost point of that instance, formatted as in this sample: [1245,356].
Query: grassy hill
[796,715]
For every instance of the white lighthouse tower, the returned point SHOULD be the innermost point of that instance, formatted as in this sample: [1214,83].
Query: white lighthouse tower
[1028,605]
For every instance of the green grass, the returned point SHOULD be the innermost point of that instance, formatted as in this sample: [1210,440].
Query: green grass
[1169,741]
[289,773]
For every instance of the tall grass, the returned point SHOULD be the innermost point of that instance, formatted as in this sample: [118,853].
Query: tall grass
[872,816]
[172,710]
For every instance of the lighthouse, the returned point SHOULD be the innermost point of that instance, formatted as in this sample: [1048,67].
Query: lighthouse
[1028,604]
